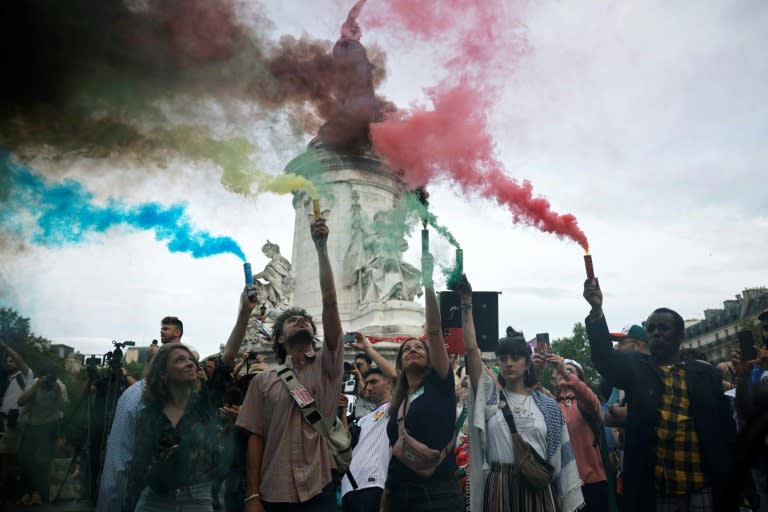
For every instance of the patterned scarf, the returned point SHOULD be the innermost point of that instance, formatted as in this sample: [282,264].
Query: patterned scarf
[560,454]
[553,417]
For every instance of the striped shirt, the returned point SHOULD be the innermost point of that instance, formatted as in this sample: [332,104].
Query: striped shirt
[120,444]
[370,458]
[678,467]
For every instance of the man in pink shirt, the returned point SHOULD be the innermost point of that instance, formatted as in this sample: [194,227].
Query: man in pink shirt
[289,466]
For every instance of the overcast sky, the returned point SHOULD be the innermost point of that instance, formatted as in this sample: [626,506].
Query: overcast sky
[646,120]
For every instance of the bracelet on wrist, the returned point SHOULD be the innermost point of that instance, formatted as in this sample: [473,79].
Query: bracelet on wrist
[466,306]
[252,496]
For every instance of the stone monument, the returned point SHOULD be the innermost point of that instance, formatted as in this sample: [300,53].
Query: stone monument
[375,287]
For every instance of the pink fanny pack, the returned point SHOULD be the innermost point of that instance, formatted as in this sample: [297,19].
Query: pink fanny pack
[418,457]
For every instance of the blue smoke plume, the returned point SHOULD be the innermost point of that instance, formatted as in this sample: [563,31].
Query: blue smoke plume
[64,214]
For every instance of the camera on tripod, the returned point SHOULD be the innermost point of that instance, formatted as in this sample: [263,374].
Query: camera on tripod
[114,359]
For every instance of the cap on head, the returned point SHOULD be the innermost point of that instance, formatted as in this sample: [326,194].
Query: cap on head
[635,331]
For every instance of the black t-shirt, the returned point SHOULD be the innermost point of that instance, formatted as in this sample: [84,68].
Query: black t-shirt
[430,419]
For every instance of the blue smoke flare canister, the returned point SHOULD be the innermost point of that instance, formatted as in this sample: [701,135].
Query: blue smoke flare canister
[248,277]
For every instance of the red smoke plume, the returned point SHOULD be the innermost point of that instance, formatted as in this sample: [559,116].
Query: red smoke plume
[453,139]
[485,40]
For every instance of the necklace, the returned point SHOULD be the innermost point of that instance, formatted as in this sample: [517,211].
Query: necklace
[517,407]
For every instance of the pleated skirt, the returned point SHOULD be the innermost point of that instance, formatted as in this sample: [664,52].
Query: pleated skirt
[505,491]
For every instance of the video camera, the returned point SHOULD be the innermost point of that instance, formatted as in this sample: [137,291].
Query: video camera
[114,359]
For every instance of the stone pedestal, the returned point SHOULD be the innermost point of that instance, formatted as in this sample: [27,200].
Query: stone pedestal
[349,186]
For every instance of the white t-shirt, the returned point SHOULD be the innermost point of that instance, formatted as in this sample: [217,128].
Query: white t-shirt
[370,458]
[529,422]
[14,391]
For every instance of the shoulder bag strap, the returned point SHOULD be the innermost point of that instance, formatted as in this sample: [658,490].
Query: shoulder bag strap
[507,412]
[309,411]
[401,412]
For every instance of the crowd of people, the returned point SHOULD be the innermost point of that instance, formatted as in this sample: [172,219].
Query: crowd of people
[426,432]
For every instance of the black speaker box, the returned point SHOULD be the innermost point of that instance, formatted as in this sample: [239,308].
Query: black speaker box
[485,309]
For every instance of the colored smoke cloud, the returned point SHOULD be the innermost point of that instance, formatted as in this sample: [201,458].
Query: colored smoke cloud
[451,137]
[110,75]
[59,214]
[453,140]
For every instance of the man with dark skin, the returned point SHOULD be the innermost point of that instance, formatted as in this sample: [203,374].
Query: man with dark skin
[679,427]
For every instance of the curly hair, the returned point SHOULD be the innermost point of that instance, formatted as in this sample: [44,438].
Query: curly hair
[156,391]
[277,331]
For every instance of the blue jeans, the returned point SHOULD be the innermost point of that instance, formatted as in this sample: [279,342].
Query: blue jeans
[195,498]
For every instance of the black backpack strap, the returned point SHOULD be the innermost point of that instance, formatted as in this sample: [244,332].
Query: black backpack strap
[508,415]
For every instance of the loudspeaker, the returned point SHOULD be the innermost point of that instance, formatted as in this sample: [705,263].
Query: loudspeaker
[485,310]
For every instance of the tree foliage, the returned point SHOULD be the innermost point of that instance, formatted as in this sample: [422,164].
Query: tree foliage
[36,352]
[16,332]
[576,347]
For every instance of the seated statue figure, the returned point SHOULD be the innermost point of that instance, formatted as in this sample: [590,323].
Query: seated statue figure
[375,264]
[278,289]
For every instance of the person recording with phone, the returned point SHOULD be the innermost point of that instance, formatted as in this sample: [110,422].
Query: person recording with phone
[44,402]
[19,376]
[365,359]
[750,366]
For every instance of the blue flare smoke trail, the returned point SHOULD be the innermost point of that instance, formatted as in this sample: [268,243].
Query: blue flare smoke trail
[65,213]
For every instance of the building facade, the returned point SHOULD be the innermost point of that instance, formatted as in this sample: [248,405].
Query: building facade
[715,335]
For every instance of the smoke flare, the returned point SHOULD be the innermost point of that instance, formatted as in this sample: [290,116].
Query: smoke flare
[65,213]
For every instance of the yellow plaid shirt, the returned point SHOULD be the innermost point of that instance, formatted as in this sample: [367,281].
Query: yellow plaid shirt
[678,454]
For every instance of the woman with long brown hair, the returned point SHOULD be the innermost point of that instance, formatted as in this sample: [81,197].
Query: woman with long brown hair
[423,411]
[176,454]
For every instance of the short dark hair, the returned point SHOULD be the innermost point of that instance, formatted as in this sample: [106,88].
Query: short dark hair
[277,330]
[679,323]
[373,370]
[363,355]
[173,320]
